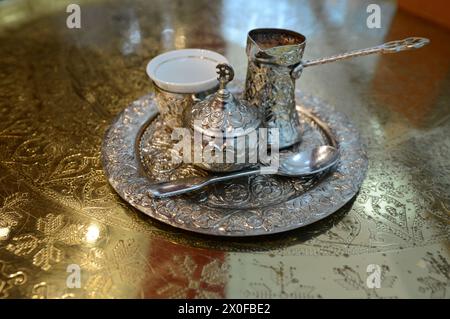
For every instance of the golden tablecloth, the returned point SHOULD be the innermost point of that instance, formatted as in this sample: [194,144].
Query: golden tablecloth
[61,87]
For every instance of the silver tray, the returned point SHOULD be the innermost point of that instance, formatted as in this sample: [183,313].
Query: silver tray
[136,153]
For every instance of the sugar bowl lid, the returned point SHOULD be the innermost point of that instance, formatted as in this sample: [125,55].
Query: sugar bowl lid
[221,114]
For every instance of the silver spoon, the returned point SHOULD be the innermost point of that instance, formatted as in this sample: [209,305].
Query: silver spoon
[303,163]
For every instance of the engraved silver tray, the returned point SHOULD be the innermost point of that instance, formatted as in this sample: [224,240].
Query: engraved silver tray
[136,153]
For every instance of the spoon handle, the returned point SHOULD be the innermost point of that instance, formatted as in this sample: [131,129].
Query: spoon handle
[388,47]
[189,184]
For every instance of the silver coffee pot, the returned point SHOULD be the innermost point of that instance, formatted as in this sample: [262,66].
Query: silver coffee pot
[275,63]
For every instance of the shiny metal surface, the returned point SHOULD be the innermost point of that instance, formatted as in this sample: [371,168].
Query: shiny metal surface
[256,205]
[60,89]
[220,120]
[310,162]
[172,105]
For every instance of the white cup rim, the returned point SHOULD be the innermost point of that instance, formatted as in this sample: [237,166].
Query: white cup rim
[191,87]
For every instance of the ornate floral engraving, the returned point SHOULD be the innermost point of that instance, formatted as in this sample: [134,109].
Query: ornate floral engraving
[10,214]
[10,279]
[45,290]
[53,231]
[124,265]
[191,280]
[286,282]
[272,90]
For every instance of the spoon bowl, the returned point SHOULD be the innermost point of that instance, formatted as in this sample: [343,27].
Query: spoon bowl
[308,162]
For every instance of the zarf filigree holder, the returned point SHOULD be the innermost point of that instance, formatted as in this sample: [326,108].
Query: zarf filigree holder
[171,105]
[136,153]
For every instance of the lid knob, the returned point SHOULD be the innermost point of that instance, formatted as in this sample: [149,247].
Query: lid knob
[225,75]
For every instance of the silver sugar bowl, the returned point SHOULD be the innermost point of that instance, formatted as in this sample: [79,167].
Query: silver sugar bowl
[225,129]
